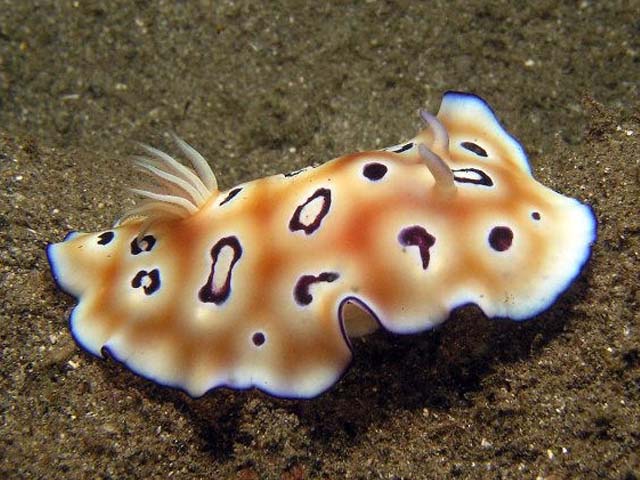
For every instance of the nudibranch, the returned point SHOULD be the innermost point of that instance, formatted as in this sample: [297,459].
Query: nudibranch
[263,284]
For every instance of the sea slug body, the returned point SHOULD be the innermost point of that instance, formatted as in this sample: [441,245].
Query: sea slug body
[263,284]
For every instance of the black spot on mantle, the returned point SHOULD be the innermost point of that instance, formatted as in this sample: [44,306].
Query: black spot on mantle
[417,236]
[145,244]
[105,238]
[474,148]
[154,281]
[301,291]
[374,171]
[230,195]
[403,148]
[500,238]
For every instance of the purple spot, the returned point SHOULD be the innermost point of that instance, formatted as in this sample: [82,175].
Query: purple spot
[301,291]
[258,339]
[296,222]
[217,294]
[374,171]
[145,244]
[105,238]
[417,236]
[230,195]
[535,215]
[500,238]
[154,281]
[475,148]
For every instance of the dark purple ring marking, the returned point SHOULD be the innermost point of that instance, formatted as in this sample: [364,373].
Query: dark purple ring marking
[145,244]
[105,238]
[483,178]
[154,279]
[296,223]
[374,171]
[230,195]
[500,238]
[474,148]
[301,291]
[417,236]
[210,293]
